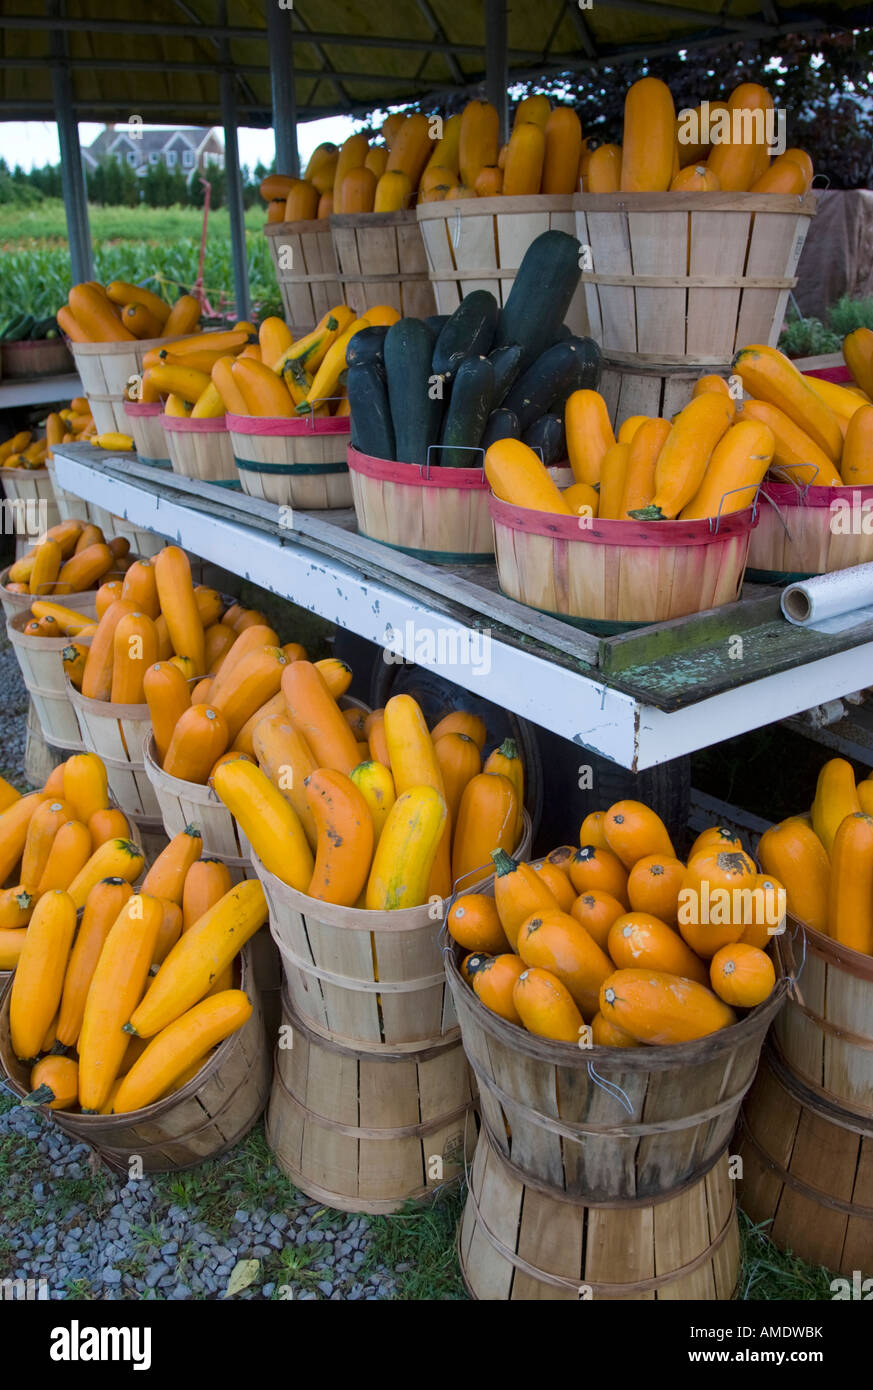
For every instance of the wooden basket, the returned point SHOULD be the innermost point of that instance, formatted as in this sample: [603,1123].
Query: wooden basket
[654,390]
[435,514]
[807,531]
[42,671]
[32,360]
[607,576]
[201,1120]
[106,371]
[478,244]
[688,279]
[381,260]
[117,734]
[190,803]
[520,1242]
[201,449]
[294,463]
[366,1133]
[373,981]
[40,757]
[145,424]
[145,544]
[306,271]
[34,505]
[825,1031]
[13,604]
[607,1124]
[806,1171]
[70,507]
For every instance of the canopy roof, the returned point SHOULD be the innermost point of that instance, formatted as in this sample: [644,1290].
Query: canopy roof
[163,61]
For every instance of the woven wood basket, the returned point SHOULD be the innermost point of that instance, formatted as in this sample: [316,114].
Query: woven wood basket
[381,260]
[145,425]
[33,489]
[13,604]
[519,1241]
[807,531]
[607,576]
[294,463]
[436,514]
[807,1172]
[32,360]
[654,390]
[117,733]
[478,244]
[366,1133]
[203,1119]
[189,803]
[201,449]
[42,670]
[106,371]
[306,271]
[70,507]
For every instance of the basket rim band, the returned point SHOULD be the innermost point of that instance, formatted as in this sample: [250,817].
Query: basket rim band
[419,1131]
[647,534]
[351,982]
[144,409]
[792,495]
[416,474]
[291,427]
[183,424]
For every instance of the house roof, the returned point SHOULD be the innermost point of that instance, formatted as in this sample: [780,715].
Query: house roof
[349,55]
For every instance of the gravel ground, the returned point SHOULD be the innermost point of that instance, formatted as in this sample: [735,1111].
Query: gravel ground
[13,714]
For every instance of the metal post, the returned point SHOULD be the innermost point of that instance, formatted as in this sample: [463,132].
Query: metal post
[280,36]
[235,195]
[497,61]
[72,178]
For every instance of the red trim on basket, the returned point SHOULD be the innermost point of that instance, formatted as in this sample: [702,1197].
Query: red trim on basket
[837,374]
[626,533]
[797,495]
[143,408]
[416,474]
[183,424]
[293,426]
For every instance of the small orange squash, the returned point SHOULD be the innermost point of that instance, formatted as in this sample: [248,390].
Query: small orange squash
[596,911]
[344,837]
[473,922]
[102,907]
[134,650]
[487,819]
[653,886]
[179,606]
[769,913]
[559,883]
[166,877]
[640,941]
[206,882]
[715,901]
[743,976]
[459,762]
[519,893]
[715,837]
[835,798]
[593,830]
[461,721]
[591,867]
[200,736]
[54,1082]
[554,941]
[605,1033]
[546,1006]
[39,977]
[661,1009]
[850,902]
[633,831]
[44,825]
[494,979]
[168,697]
[318,717]
[794,854]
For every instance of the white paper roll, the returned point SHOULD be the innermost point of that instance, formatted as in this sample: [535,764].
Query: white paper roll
[831,602]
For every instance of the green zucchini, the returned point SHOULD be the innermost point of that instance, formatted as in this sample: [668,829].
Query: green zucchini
[546,436]
[502,424]
[506,362]
[414,396]
[435,322]
[372,431]
[45,328]
[367,346]
[469,407]
[555,375]
[535,308]
[19,329]
[468,333]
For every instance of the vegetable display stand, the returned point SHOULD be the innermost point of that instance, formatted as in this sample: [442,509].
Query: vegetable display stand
[201,449]
[28,361]
[381,260]
[106,371]
[306,271]
[294,463]
[33,492]
[42,670]
[367,1133]
[145,425]
[807,1172]
[202,1120]
[611,575]
[373,981]
[825,1032]
[804,531]
[70,507]
[478,244]
[435,514]
[608,1124]
[117,734]
[20,603]
[519,1242]
[678,282]
[190,803]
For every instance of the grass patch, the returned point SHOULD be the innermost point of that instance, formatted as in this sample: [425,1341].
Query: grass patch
[768,1274]
[247,1179]
[423,1238]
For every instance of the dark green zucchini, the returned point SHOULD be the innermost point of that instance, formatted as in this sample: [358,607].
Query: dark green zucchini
[468,333]
[555,375]
[469,407]
[536,306]
[502,424]
[415,398]
[546,435]
[367,346]
[435,322]
[506,362]
[372,430]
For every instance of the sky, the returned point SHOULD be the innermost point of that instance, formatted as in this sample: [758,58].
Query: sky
[34,143]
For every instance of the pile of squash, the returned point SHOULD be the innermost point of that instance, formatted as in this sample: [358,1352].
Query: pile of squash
[189,374]
[442,390]
[122,313]
[370,810]
[825,858]
[74,424]
[655,156]
[72,558]
[614,944]
[118,997]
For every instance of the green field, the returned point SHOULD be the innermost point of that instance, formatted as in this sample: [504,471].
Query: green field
[158,246]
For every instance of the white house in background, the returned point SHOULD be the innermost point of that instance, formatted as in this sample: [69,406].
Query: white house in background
[189,148]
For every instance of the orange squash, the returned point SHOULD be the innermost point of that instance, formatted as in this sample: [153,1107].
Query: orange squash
[179,606]
[102,907]
[715,901]
[168,697]
[414,764]
[39,976]
[519,893]
[641,941]
[850,901]
[634,831]
[494,979]
[108,824]
[97,676]
[140,587]
[219,638]
[44,825]
[14,823]
[459,762]
[546,1007]
[653,886]
[796,856]
[593,830]
[166,877]
[474,922]
[605,1033]
[506,761]
[589,435]
[245,739]
[835,798]
[317,716]
[134,650]
[523,166]
[715,837]
[16,909]
[558,881]
[660,1009]
[603,170]
[563,131]
[287,759]
[206,881]
[460,721]
[479,139]
[344,837]
[743,976]
[649,145]
[70,851]
[561,858]
[487,818]
[200,736]
[591,867]
[168,932]
[596,911]
[769,917]
[555,941]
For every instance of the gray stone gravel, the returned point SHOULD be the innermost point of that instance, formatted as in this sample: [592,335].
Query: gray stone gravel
[13,704]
